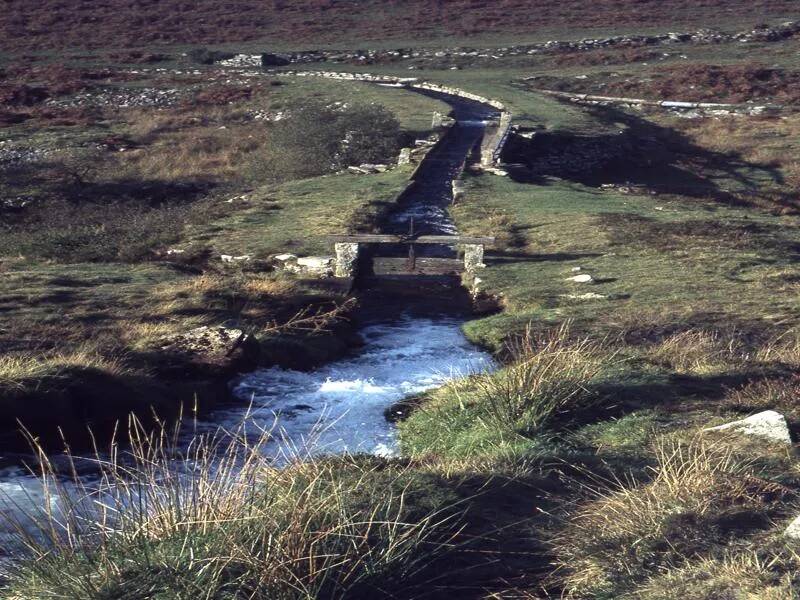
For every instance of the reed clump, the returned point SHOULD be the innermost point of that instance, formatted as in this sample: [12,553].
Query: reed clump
[223,520]
[704,493]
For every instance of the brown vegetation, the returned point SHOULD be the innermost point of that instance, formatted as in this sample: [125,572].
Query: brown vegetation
[126,23]
[693,82]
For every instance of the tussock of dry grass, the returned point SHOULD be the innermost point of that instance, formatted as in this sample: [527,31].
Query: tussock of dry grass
[766,574]
[221,521]
[631,531]
[548,375]
[698,351]
[18,371]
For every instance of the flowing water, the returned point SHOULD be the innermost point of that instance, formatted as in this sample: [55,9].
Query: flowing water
[340,407]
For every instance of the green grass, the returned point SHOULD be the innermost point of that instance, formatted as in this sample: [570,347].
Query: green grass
[561,230]
[296,217]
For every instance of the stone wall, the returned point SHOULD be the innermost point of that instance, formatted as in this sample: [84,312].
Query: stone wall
[668,104]
[491,148]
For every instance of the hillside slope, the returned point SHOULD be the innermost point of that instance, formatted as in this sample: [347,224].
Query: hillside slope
[57,24]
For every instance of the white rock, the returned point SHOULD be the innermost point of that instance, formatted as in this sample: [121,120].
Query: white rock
[768,424]
[576,269]
[285,257]
[315,262]
[586,296]
[227,258]
[584,278]
[793,530]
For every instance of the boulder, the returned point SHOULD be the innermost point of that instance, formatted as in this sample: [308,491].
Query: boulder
[210,351]
[769,424]
[583,278]
[274,60]
[316,264]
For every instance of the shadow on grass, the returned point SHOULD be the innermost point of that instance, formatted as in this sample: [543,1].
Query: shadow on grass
[500,257]
[643,154]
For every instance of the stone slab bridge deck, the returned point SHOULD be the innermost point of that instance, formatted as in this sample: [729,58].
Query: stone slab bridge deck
[351,254]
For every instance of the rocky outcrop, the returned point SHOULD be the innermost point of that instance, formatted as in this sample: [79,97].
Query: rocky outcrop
[769,425]
[711,108]
[209,351]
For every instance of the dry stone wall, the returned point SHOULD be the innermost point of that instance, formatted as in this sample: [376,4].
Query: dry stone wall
[753,109]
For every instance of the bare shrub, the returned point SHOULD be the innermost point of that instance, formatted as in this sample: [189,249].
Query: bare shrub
[319,138]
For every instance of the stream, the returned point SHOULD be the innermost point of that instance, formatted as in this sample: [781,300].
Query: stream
[341,407]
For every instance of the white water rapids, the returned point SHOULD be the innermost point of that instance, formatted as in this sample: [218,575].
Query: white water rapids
[340,407]
[335,409]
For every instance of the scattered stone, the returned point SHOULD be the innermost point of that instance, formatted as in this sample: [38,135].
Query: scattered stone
[210,351]
[121,98]
[576,269]
[584,278]
[768,424]
[228,258]
[793,530]
[405,156]
[586,296]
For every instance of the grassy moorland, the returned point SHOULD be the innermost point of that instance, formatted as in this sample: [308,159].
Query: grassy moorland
[121,23]
[579,469]
[688,228]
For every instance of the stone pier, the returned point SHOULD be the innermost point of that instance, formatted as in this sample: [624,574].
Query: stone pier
[346,259]
[473,257]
